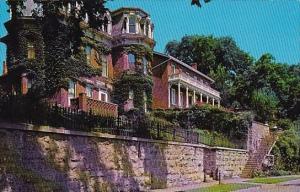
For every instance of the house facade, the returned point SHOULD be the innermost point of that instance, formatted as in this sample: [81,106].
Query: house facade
[179,85]
[122,28]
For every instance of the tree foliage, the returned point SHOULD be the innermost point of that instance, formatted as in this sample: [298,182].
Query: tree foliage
[287,151]
[240,78]
[60,37]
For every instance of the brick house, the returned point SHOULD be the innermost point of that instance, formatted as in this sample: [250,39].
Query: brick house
[122,27]
[172,76]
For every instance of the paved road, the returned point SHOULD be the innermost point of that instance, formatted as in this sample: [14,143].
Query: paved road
[289,186]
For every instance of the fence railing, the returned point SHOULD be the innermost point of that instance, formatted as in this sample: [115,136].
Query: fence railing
[15,110]
[73,119]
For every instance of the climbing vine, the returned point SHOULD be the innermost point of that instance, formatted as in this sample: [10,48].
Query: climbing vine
[135,81]
[140,86]
[140,51]
[58,42]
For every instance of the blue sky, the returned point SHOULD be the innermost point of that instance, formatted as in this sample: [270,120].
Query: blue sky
[258,26]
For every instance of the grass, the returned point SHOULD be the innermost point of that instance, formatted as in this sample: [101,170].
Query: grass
[224,187]
[272,180]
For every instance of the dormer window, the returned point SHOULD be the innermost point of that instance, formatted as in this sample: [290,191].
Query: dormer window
[30,51]
[132,23]
[131,59]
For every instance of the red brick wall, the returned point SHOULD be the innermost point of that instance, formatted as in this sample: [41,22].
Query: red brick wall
[160,87]
[120,61]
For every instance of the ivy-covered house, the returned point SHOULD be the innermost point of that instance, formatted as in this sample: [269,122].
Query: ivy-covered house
[114,59]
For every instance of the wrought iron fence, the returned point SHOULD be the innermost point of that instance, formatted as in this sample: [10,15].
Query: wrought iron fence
[72,119]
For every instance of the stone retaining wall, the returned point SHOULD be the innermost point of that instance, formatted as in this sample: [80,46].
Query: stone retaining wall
[33,158]
[230,162]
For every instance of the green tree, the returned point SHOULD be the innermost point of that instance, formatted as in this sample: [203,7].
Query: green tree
[264,102]
[287,151]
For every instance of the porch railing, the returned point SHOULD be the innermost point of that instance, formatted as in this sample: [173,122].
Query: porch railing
[98,107]
[194,82]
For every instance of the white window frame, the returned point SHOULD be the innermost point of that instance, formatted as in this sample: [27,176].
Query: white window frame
[173,96]
[173,68]
[101,92]
[73,95]
[89,91]
[132,17]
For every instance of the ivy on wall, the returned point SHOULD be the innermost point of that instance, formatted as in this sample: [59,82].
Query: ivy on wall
[57,43]
[138,84]
[136,81]
[140,51]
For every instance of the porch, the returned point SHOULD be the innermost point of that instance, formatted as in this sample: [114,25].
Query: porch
[185,91]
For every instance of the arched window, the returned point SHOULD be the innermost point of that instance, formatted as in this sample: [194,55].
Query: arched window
[132,21]
[30,50]
[131,59]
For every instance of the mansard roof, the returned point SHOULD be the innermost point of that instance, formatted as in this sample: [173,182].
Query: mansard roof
[183,64]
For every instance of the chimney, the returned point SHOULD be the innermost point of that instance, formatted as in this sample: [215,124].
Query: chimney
[4,68]
[194,65]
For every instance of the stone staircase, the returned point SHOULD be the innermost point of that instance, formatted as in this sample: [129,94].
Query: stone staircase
[256,158]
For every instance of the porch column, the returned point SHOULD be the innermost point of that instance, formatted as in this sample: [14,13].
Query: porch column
[201,99]
[207,98]
[187,98]
[169,95]
[213,102]
[194,97]
[218,103]
[179,102]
